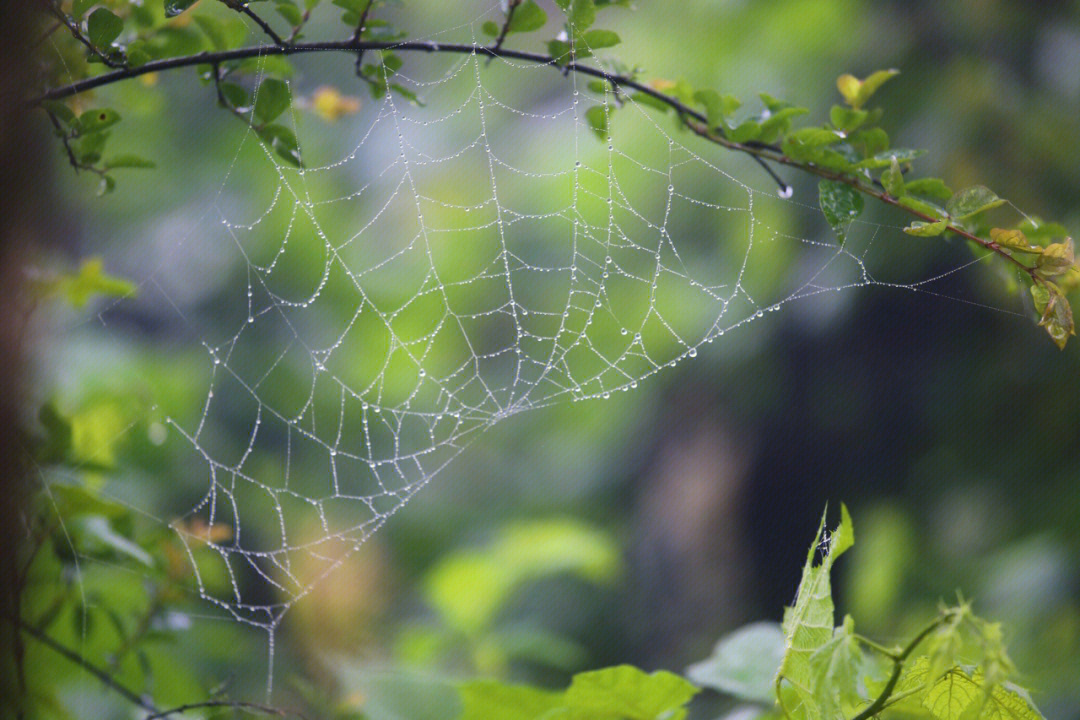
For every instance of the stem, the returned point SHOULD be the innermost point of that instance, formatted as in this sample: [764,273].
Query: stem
[262,24]
[693,119]
[76,33]
[506,27]
[105,678]
[235,704]
[898,666]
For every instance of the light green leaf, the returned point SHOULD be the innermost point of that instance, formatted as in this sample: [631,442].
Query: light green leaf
[841,204]
[128,161]
[779,122]
[102,27]
[923,206]
[847,119]
[856,92]
[528,17]
[88,282]
[961,693]
[580,14]
[836,668]
[628,693]
[808,625]
[272,98]
[1014,240]
[893,180]
[744,664]
[924,229]
[493,700]
[972,201]
[94,121]
[599,39]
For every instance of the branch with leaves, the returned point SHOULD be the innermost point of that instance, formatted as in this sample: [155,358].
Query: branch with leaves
[851,153]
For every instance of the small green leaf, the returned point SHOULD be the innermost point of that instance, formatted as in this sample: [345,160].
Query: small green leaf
[972,201]
[856,92]
[290,12]
[559,50]
[528,17]
[599,39]
[580,14]
[235,95]
[102,27]
[493,700]
[869,141]
[1013,240]
[885,158]
[847,119]
[272,98]
[841,204]
[598,118]
[490,28]
[779,122]
[282,140]
[746,131]
[94,121]
[805,144]
[924,229]
[1056,258]
[744,664]
[930,187]
[893,180]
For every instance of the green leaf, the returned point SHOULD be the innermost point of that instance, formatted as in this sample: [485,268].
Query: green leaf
[469,587]
[528,17]
[1056,258]
[490,28]
[175,7]
[805,144]
[893,180]
[962,693]
[847,119]
[282,140]
[930,187]
[869,141]
[923,206]
[580,14]
[235,95]
[128,161]
[841,204]
[885,158]
[646,99]
[98,535]
[628,693]
[924,229]
[94,121]
[744,664]
[746,131]
[779,122]
[90,281]
[290,12]
[600,39]
[598,118]
[493,700]
[1013,240]
[56,446]
[856,92]
[102,27]
[718,108]
[559,50]
[271,99]
[972,201]
[808,625]
[836,668]
[1055,313]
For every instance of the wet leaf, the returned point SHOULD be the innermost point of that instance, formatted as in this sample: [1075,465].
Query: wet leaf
[841,204]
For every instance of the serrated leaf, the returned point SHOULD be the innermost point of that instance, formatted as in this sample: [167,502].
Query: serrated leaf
[836,668]
[924,229]
[972,201]
[808,624]
[744,664]
[271,99]
[626,692]
[102,27]
[841,204]
[961,693]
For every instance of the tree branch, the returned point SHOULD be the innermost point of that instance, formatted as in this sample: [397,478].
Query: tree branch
[506,27]
[693,119]
[77,33]
[235,704]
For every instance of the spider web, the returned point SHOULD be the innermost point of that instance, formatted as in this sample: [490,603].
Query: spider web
[465,261]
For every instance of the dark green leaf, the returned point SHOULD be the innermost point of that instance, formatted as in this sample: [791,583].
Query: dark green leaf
[841,204]
[102,27]
[490,28]
[528,17]
[282,140]
[271,99]
[235,95]
[290,12]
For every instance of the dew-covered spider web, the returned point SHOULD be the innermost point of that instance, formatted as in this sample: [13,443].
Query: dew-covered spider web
[462,262]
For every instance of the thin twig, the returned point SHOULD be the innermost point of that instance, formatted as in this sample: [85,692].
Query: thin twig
[358,33]
[236,704]
[505,28]
[103,677]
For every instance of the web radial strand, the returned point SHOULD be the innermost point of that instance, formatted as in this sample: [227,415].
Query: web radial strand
[462,262]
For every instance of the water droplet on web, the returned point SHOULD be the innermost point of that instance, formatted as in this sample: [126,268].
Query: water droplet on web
[624,331]
[786,192]
[692,352]
[423,372]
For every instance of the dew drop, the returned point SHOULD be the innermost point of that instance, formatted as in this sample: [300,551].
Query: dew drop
[786,192]
[692,352]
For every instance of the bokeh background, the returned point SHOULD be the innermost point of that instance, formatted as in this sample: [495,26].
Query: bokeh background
[642,528]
